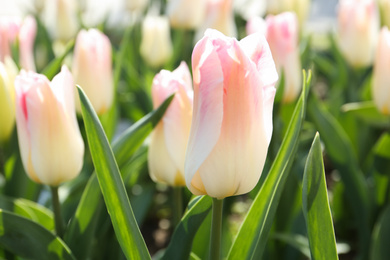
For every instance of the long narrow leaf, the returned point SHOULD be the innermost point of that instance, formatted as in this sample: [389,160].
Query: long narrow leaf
[112,187]
[54,66]
[28,239]
[316,208]
[253,234]
[380,249]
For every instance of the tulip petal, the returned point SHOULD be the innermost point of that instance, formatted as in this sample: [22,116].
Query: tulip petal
[208,110]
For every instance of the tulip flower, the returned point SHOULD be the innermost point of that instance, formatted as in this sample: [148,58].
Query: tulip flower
[219,16]
[381,74]
[27,34]
[9,29]
[358,29]
[232,117]
[282,36]
[92,69]
[156,45]
[8,71]
[136,5]
[385,12]
[169,139]
[50,142]
[186,14]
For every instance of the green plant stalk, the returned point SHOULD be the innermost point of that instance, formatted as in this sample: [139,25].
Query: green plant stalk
[216,230]
[57,211]
[177,205]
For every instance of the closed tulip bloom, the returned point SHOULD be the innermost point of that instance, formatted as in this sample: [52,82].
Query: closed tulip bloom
[232,116]
[219,16]
[9,29]
[136,5]
[92,69]
[8,71]
[256,24]
[50,142]
[169,139]
[156,45]
[381,74]
[358,29]
[282,36]
[27,34]
[186,14]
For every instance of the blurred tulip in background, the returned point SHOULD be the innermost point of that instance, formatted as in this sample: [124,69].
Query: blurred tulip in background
[50,142]
[232,121]
[299,7]
[92,68]
[156,44]
[169,139]
[384,6]
[8,72]
[27,34]
[186,14]
[357,32]
[381,76]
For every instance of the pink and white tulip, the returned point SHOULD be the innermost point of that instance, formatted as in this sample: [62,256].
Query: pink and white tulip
[381,74]
[50,142]
[168,142]
[232,117]
[92,69]
[358,29]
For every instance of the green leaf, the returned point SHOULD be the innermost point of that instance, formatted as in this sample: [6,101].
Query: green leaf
[28,209]
[181,241]
[340,151]
[28,239]
[80,232]
[253,234]
[367,112]
[55,65]
[380,249]
[295,240]
[315,206]
[111,185]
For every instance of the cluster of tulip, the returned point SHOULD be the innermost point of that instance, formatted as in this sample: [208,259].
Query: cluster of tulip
[232,123]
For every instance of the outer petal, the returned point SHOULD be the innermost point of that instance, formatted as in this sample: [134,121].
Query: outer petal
[292,76]
[208,109]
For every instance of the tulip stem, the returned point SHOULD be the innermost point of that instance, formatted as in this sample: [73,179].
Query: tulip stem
[57,211]
[216,230]
[177,205]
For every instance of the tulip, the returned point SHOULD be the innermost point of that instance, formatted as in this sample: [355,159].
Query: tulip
[136,5]
[232,120]
[282,36]
[385,12]
[50,142]
[256,24]
[381,74]
[156,45]
[61,20]
[27,34]
[358,29]
[9,29]
[299,7]
[168,142]
[92,69]
[186,14]
[219,16]
[8,71]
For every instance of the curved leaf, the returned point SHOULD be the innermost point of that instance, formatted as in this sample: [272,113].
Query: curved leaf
[380,249]
[316,208]
[55,65]
[111,185]
[181,241]
[28,239]
[253,234]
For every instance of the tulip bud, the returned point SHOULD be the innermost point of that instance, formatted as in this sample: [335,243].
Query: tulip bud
[156,45]
[92,69]
[282,36]
[9,29]
[381,74]
[385,12]
[219,16]
[136,5]
[256,24]
[232,121]
[168,142]
[186,14]
[61,20]
[50,142]
[358,28]
[27,34]
[8,71]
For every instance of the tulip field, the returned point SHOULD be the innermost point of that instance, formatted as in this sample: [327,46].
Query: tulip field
[195,129]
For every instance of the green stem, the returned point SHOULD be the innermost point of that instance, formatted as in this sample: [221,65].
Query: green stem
[57,212]
[177,205]
[216,230]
